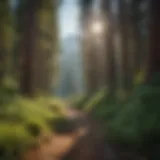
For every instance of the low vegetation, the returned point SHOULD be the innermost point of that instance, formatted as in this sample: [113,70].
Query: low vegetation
[22,120]
[133,120]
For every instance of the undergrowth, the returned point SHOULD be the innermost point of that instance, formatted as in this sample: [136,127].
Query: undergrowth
[22,120]
[131,121]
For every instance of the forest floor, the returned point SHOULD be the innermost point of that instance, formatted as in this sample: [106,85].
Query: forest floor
[57,146]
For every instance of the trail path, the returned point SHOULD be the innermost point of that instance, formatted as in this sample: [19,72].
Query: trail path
[85,143]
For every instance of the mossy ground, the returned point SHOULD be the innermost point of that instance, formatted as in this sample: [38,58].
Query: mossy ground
[22,120]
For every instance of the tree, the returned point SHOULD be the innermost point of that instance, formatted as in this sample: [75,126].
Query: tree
[154,56]
[126,82]
[45,62]
[86,6]
[38,45]
[28,40]
[6,39]
[110,51]
[138,37]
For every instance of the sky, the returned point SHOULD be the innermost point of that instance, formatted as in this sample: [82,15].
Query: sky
[69,14]
[68,18]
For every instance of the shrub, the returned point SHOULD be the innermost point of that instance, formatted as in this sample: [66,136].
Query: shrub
[133,120]
[22,120]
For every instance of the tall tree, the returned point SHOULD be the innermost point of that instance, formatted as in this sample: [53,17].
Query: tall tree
[95,49]
[44,60]
[138,37]
[86,44]
[154,55]
[28,40]
[2,54]
[126,82]
[135,37]
[85,6]
[6,39]
[38,45]
[106,7]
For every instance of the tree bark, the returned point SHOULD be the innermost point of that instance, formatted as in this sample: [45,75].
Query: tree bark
[154,51]
[39,46]
[46,49]
[125,67]
[28,47]
[88,52]
[136,36]
[5,39]
[111,81]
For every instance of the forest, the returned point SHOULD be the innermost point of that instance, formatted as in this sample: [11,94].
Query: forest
[109,109]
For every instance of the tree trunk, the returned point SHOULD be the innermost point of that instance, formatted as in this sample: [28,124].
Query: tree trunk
[44,60]
[87,46]
[135,49]
[125,67]
[28,47]
[110,51]
[39,45]
[2,58]
[154,55]
[136,37]
[4,17]
[111,75]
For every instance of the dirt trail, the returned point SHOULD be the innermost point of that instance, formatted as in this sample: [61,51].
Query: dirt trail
[85,143]
[55,146]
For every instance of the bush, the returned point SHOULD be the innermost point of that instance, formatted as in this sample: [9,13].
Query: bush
[133,120]
[22,120]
